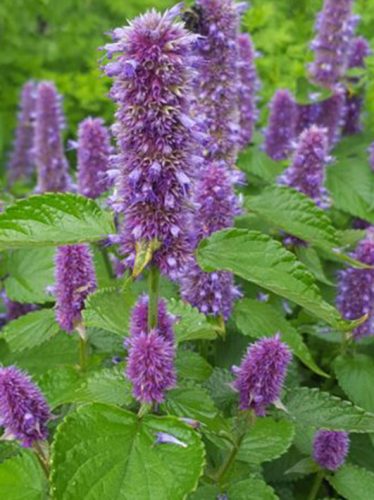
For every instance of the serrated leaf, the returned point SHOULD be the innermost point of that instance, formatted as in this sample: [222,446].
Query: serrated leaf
[191,324]
[351,184]
[253,488]
[308,256]
[22,478]
[30,272]
[266,440]
[102,450]
[53,219]
[109,309]
[255,162]
[59,385]
[311,407]
[31,330]
[355,375]
[219,387]
[258,319]
[352,482]
[191,365]
[264,261]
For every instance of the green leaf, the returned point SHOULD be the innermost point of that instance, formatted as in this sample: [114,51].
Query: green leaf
[59,385]
[31,330]
[317,409]
[264,261]
[220,390]
[304,466]
[191,325]
[309,257]
[22,478]
[109,309]
[353,483]
[30,272]
[266,440]
[259,319]
[53,219]
[191,365]
[355,376]
[253,488]
[255,162]
[351,184]
[101,448]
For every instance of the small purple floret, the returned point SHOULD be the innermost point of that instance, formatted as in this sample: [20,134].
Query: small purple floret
[24,411]
[165,438]
[330,448]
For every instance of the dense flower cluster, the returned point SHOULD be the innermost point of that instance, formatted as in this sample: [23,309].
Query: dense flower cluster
[24,412]
[281,128]
[14,310]
[156,136]
[356,288]
[139,319]
[21,162]
[335,28]
[52,167]
[93,157]
[217,77]
[75,280]
[307,171]
[260,377]
[247,89]
[330,448]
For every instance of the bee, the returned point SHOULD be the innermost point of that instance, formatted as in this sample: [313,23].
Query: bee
[192,19]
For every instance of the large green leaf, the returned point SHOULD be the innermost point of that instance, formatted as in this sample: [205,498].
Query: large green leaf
[266,440]
[31,330]
[258,319]
[191,365]
[311,407]
[353,483]
[53,219]
[262,260]
[59,385]
[351,184]
[104,452]
[253,488]
[191,324]
[109,309]
[22,478]
[356,376]
[255,162]
[30,272]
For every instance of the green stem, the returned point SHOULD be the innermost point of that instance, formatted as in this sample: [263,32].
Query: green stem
[107,263]
[316,485]
[83,347]
[43,460]
[153,286]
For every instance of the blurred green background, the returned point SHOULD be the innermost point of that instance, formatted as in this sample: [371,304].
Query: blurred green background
[59,40]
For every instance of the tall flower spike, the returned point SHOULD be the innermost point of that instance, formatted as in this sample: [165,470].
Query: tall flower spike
[356,288]
[150,366]
[217,205]
[152,88]
[247,89]
[216,82]
[21,162]
[335,28]
[52,166]
[75,280]
[281,129]
[260,377]
[139,319]
[24,412]
[93,157]
[307,171]
[331,115]
[330,448]
[352,121]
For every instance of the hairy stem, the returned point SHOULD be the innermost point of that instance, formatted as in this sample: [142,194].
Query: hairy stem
[153,286]
[43,459]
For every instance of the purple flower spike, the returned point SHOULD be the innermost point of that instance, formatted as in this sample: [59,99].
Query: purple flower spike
[330,448]
[335,28]
[217,77]
[50,160]
[356,288]
[165,438]
[139,319]
[307,172]
[150,366]
[24,412]
[371,156]
[22,162]
[359,50]
[247,89]
[332,113]
[93,157]
[217,205]
[281,129]
[155,134]
[75,280]
[260,377]
[16,309]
